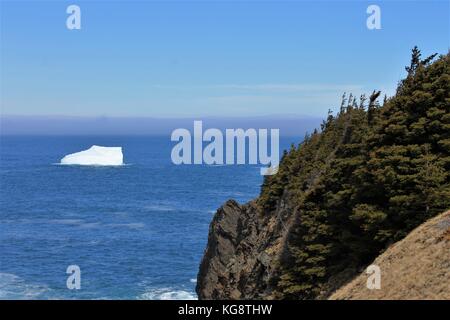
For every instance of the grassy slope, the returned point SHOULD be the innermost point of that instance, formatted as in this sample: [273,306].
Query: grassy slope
[417,267]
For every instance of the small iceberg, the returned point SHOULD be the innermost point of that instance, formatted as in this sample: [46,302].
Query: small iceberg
[96,156]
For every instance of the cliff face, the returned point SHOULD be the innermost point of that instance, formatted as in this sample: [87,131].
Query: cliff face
[243,254]
[241,257]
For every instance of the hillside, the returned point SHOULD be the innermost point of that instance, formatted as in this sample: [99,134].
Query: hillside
[368,177]
[417,267]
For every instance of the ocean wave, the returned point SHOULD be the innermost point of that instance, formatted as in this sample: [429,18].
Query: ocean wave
[67,221]
[167,294]
[89,225]
[131,225]
[160,208]
[76,223]
[13,287]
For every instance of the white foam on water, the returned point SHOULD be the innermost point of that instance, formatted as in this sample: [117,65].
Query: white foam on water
[131,225]
[76,223]
[167,294]
[67,221]
[14,287]
[160,208]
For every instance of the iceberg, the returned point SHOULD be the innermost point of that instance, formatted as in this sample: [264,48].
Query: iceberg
[96,156]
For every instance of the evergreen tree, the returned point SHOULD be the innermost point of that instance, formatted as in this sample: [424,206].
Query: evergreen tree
[365,180]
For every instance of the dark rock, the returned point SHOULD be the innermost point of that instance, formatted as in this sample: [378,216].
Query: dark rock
[241,256]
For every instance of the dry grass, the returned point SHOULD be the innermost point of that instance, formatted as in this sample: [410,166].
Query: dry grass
[417,267]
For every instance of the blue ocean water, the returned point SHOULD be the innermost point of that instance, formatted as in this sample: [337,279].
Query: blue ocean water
[137,231]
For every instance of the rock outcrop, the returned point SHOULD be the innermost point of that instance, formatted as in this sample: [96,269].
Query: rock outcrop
[242,253]
[244,249]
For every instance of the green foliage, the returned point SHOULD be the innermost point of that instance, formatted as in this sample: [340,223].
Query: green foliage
[367,179]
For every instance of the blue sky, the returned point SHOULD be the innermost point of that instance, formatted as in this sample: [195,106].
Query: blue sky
[207,58]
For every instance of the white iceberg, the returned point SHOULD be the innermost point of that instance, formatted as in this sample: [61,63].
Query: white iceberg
[96,156]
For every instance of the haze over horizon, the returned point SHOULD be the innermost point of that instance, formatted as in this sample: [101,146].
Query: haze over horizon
[209,59]
[104,125]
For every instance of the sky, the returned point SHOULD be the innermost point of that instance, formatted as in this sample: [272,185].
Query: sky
[207,58]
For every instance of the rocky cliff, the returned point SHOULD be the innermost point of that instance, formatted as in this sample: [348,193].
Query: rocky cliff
[244,249]
[242,253]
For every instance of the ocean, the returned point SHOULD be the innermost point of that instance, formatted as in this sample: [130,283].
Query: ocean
[136,231]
